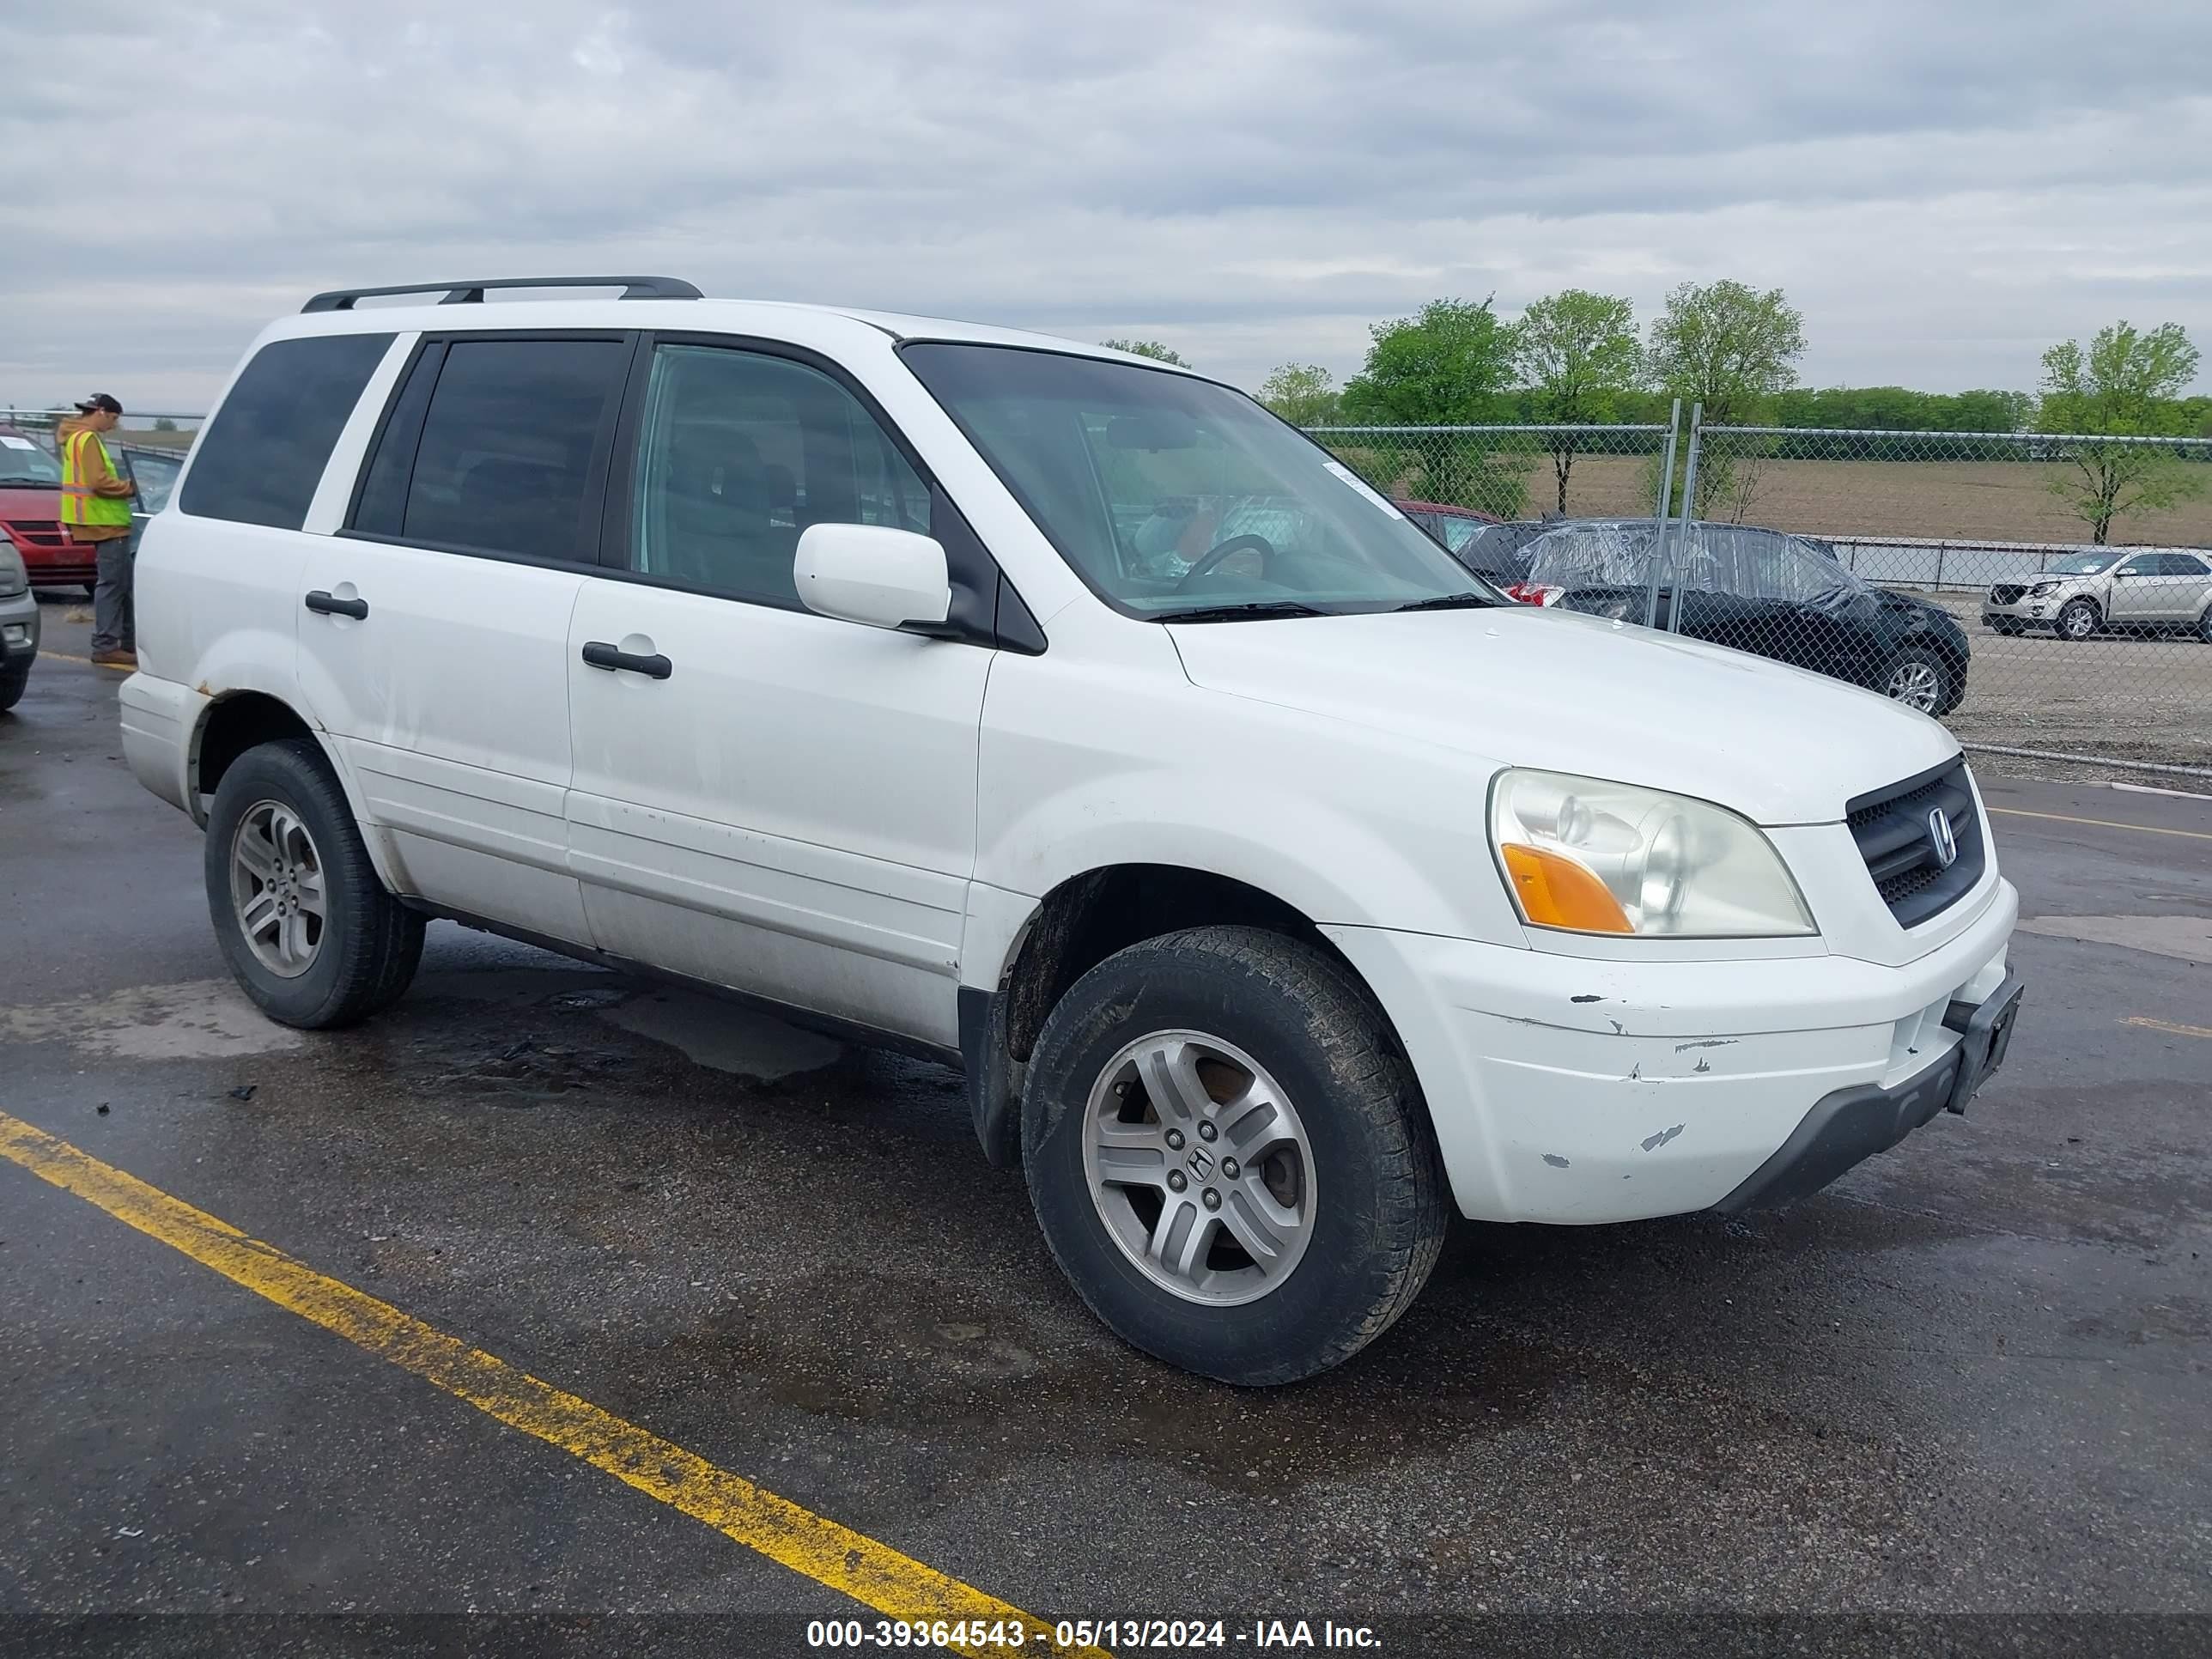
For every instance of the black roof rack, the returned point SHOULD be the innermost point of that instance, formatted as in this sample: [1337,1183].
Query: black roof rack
[462,294]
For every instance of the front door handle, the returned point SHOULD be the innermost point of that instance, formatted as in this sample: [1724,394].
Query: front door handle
[600,654]
[329,605]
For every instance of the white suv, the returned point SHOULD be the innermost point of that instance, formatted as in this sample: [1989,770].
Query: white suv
[1275,883]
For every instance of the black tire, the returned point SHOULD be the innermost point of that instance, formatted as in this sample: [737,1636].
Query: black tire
[1379,1215]
[2077,619]
[12,684]
[2204,630]
[370,942]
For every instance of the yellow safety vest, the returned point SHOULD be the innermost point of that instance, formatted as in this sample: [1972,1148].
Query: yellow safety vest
[79,505]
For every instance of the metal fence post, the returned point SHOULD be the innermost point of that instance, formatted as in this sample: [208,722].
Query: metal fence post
[1689,511]
[1666,507]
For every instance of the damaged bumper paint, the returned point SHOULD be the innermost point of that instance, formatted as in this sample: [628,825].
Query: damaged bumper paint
[1568,1090]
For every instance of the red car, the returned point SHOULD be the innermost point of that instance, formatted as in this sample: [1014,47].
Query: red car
[30,498]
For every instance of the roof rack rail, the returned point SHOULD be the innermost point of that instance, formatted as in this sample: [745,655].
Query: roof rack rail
[461,294]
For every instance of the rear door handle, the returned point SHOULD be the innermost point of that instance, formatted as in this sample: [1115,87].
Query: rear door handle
[600,654]
[330,606]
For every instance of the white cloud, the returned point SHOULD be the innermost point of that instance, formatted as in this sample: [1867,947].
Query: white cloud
[1943,190]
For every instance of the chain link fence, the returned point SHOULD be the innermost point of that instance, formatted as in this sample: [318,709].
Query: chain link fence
[2075,570]
[158,430]
[2044,595]
[1509,471]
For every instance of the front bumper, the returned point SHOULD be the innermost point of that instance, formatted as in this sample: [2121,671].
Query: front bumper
[1851,1125]
[19,631]
[2027,611]
[1564,1088]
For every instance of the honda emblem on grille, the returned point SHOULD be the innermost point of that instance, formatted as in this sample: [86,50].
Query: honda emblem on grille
[1942,840]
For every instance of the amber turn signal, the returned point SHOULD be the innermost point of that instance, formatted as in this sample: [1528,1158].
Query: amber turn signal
[1555,891]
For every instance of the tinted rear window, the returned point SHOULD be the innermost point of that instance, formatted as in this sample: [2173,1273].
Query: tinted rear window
[262,456]
[514,446]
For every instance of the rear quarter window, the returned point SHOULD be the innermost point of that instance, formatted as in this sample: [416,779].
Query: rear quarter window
[263,455]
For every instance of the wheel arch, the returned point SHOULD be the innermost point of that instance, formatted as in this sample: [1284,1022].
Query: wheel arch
[1084,919]
[236,721]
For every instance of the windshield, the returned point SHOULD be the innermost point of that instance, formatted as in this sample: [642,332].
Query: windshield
[2086,564]
[22,462]
[1171,495]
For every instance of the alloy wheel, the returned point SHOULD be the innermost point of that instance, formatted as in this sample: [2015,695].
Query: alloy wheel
[276,888]
[1200,1167]
[1916,684]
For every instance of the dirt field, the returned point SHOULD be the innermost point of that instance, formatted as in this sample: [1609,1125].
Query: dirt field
[1985,501]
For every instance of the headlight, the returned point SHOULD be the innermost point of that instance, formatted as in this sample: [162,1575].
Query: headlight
[1591,857]
[2041,589]
[14,578]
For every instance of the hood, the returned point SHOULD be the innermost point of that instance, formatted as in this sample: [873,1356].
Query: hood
[37,503]
[1520,686]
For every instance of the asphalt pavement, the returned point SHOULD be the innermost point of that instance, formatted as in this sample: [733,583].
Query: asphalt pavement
[1964,1391]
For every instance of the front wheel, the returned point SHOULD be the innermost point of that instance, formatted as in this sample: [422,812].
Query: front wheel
[2204,625]
[1919,678]
[310,932]
[2080,619]
[1228,1156]
[12,683]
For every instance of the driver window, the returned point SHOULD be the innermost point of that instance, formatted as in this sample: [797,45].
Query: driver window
[740,453]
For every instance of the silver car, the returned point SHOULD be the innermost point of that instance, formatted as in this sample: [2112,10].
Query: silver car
[19,625]
[2122,591]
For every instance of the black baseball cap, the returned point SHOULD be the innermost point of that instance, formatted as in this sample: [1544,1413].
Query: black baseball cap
[100,400]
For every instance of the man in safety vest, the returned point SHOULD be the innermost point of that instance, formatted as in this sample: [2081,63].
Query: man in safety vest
[96,509]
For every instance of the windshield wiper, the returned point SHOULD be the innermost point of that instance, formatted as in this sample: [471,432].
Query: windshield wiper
[1250,610]
[1447,601]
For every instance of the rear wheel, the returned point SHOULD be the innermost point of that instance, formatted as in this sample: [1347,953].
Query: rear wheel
[2080,619]
[1228,1157]
[309,931]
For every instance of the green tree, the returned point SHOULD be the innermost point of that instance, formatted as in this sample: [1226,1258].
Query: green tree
[1726,346]
[1577,353]
[1445,365]
[2127,384]
[1450,364]
[1730,348]
[1304,394]
[1152,349]
[165,424]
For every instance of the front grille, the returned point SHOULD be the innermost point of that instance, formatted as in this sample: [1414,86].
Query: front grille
[2006,594]
[31,533]
[1894,836]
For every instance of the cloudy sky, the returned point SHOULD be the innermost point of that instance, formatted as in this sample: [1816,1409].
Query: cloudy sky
[1944,189]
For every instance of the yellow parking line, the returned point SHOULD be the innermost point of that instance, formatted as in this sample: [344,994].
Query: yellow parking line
[2168,1026]
[2104,824]
[895,1585]
[63,656]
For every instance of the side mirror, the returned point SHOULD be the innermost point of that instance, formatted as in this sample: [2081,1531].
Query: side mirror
[872,574]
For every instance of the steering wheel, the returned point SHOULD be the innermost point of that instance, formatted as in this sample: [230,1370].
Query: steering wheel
[1213,557]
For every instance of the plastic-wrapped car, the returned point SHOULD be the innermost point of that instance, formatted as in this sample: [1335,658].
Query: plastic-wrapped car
[1761,591]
